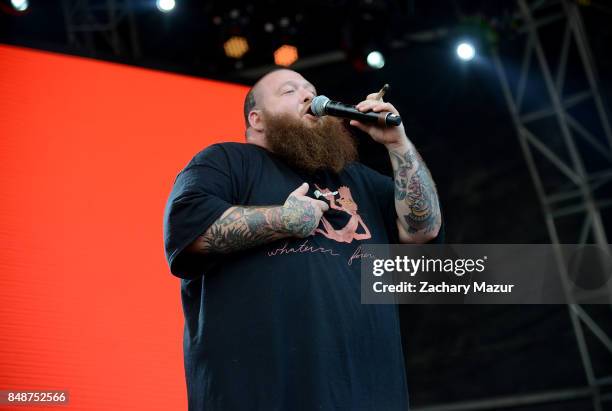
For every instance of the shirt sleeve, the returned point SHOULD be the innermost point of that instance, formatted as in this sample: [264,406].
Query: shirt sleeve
[202,192]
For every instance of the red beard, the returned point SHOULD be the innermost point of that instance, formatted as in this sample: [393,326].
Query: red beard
[325,145]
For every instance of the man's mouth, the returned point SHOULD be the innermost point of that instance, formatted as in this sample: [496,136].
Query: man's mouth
[307,110]
[309,114]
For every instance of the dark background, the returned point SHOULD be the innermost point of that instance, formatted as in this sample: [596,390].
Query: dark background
[455,114]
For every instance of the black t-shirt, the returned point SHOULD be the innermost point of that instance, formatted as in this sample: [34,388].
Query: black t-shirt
[281,326]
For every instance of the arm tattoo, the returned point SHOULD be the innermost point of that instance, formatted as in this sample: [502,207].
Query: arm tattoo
[241,228]
[414,192]
[402,166]
[245,227]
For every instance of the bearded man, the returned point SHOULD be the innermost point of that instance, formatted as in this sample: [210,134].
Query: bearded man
[264,236]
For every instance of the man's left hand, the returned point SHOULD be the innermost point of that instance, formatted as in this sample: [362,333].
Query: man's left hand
[392,137]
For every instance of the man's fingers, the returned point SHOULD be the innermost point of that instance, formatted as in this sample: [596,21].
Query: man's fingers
[361,126]
[385,107]
[373,96]
[300,194]
[375,105]
[322,205]
[301,190]
[362,105]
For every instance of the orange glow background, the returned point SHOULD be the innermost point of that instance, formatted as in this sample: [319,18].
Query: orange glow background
[89,151]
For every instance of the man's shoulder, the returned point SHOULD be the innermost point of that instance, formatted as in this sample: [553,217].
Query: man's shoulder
[227,151]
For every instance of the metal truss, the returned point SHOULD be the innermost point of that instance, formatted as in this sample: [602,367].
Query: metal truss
[112,21]
[557,146]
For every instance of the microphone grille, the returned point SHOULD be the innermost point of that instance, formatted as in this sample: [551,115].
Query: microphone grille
[317,106]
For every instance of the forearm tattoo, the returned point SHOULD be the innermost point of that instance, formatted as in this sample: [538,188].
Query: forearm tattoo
[245,227]
[415,191]
[241,228]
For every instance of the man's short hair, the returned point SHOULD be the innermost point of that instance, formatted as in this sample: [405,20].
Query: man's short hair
[249,100]
[249,104]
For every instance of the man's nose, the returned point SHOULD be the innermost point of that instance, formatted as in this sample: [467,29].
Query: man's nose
[307,95]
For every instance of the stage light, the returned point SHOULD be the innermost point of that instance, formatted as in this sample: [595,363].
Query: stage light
[165,5]
[235,47]
[466,51]
[285,55]
[375,59]
[20,5]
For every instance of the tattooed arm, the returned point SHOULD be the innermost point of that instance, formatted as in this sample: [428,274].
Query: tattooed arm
[244,227]
[416,199]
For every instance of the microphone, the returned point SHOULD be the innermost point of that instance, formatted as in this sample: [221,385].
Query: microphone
[322,106]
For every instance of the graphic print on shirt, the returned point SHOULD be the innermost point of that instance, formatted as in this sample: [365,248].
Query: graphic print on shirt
[344,203]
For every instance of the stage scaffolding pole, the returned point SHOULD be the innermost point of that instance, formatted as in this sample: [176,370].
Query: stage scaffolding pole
[581,190]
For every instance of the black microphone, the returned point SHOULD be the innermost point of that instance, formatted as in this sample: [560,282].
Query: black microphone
[322,106]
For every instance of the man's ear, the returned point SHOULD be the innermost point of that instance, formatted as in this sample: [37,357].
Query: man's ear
[256,120]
